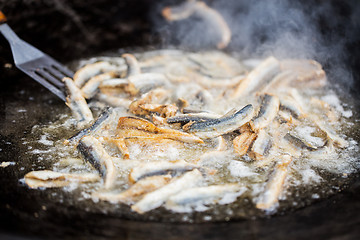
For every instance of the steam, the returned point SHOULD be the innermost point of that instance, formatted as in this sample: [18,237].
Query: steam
[282,28]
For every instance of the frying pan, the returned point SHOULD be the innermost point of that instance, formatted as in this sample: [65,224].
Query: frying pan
[54,27]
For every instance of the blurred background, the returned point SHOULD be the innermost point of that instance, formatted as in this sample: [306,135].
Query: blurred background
[328,31]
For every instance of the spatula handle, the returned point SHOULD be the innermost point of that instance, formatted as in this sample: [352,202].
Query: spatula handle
[6,30]
[22,51]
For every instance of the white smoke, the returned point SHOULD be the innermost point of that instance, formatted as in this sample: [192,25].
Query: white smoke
[283,28]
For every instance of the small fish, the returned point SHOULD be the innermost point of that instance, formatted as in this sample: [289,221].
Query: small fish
[117,86]
[289,103]
[261,145]
[216,83]
[138,134]
[203,97]
[158,95]
[218,151]
[199,198]
[91,87]
[294,93]
[282,80]
[311,137]
[114,82]
[331,114]
[267,161]
[163,63]
[309,73]
[190,110]
[146,81]
[268,200]
[114,101]
[160,168]
[144,125]
[257,77]
[192,117]
[51,179]
[150,145]
[181,104]
[77,103]
[158,121]
[164,110]
[179,12]
[287,147]
[212,17]
[103,117]
[156,198]
[225,124]
[135,191]
[132,63]
[85,73]
[329,150]
[243,142]
[162,53]
[6,164]
[120,144]
[218,68]
[331,134]
[269,108]
[95,154]
[175,78]
[286,117]
[219,144]
[317,120]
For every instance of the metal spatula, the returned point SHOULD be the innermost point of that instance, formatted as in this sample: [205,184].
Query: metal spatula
[39,66]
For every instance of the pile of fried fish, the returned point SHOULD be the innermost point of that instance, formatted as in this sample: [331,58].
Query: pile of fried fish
[188,130]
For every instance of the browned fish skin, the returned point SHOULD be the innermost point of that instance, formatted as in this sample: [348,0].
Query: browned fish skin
[164,110]
[158,95]
[136,123]
[243,142]
[144,125]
